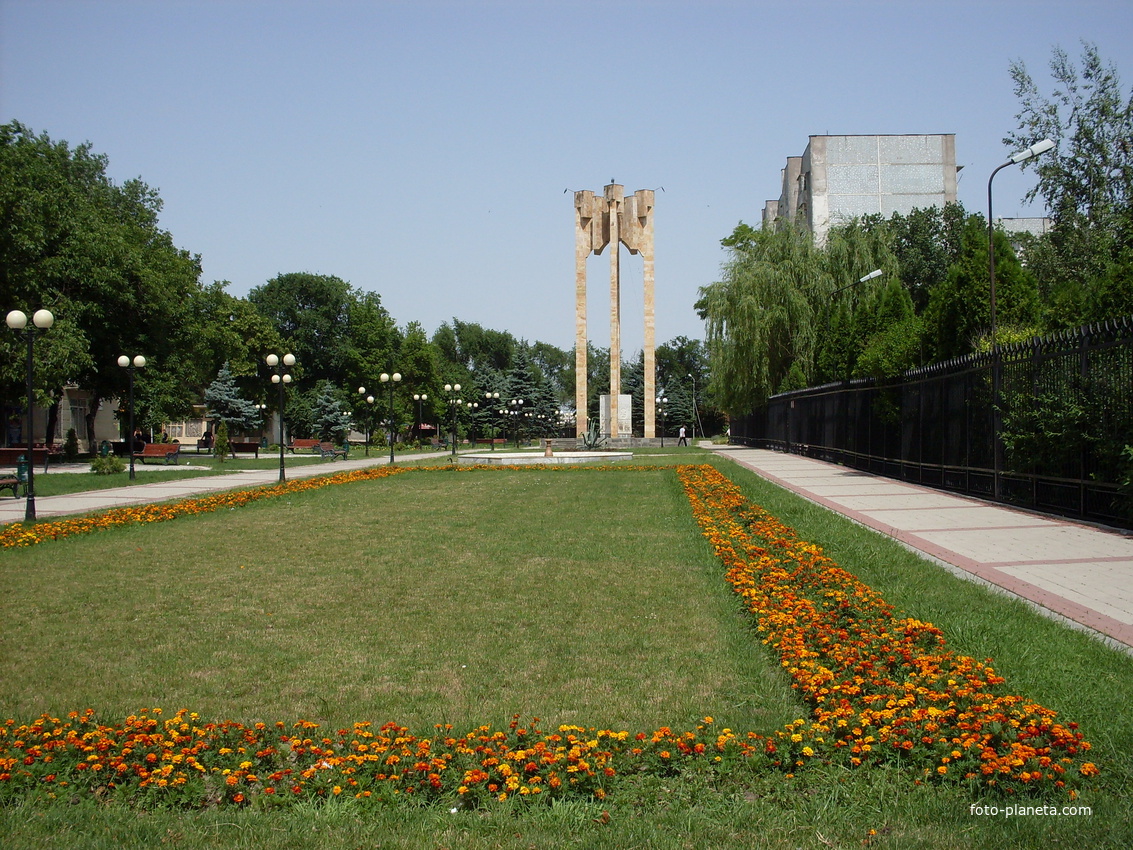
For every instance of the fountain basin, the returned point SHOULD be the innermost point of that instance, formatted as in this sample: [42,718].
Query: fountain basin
[538,458]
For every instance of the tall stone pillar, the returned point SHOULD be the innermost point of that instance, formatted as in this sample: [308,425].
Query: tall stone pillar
[614,205]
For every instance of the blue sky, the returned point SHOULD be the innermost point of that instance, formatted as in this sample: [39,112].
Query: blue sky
[421,149]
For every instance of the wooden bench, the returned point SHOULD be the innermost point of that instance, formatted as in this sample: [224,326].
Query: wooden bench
[14,482]
[303,445]
[204,443]
[246,447]
[169,452]
[330,450]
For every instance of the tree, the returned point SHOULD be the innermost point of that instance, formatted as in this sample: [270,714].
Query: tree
[1082,265]
[762,319]
[230,330]
[1090,119]
[330,414]
[311,312]
[92,252]
[225,403]
[557,365]
[957,320]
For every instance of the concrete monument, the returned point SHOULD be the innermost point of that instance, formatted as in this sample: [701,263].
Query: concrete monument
[615,220]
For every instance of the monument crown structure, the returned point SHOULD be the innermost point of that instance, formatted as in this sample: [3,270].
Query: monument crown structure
[613,219]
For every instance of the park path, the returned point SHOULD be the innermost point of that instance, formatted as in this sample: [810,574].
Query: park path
[147,492]
[1078,572]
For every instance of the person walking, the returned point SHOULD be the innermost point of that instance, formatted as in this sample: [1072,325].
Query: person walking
[683,441]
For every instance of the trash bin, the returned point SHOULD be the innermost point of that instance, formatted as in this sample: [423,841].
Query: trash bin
[104,448]
[22,471]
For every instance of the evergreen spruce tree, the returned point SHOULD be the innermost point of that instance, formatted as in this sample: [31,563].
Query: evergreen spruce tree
[331,414]
[227,405]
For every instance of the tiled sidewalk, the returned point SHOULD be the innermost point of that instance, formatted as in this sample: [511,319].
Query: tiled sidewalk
[1082,573]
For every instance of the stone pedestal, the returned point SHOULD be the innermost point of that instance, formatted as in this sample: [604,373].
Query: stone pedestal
[618,410]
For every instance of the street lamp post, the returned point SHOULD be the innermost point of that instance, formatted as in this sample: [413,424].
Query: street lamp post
[516,405]
[491,400]
[369,399]
[419,398]
[131,366]
[454,402]
[695,409]
[661,402]
[395,378]
[996,369]
[472,407]
[281,378]
[1016,158]
[18,321]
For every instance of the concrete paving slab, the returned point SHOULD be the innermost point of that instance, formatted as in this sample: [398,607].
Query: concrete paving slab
[954,516]
[1078,572]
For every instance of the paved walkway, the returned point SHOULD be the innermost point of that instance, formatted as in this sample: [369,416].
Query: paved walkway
[1082,573]
[148,487]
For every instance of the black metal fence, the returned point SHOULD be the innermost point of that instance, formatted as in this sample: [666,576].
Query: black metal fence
[1056,441]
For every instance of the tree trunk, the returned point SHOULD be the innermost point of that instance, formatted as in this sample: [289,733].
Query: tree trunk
[92,413]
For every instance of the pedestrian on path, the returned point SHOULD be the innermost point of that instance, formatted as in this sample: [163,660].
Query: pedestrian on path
[683,441]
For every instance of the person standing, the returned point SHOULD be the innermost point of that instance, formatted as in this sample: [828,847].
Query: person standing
[683,441]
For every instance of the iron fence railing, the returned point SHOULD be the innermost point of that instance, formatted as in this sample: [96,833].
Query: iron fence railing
[1055,441]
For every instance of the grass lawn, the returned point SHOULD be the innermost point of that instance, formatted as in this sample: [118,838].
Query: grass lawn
[580,597]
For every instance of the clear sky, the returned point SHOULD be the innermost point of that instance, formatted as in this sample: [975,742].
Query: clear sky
[420,149]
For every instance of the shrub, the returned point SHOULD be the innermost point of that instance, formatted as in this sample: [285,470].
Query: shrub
[109,465]
[220,446]
[71,446]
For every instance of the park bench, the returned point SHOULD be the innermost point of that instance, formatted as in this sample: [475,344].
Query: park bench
[330,450]
[14,482]
[302,445]
[169,452]
[246,447]
[204,443]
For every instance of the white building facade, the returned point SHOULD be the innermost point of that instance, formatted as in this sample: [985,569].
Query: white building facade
[839,178]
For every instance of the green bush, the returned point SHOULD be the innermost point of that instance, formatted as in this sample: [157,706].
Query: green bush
[220,445]
[109,465]
[71,446]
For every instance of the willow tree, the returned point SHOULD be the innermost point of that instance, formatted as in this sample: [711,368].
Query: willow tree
[762,319]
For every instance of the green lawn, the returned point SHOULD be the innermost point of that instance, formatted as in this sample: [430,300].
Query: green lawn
[582,597]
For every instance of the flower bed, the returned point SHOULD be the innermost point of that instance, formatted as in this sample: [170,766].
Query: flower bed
[882,688]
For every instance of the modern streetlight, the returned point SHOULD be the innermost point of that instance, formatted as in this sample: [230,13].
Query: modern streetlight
[661,402]
[18,321]
[1015,158]
[393,379]
[454,402]
[131,366]
[281,378]
[695,409]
